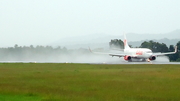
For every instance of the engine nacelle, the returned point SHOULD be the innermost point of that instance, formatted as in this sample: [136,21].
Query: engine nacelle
[127,57]
[152,58]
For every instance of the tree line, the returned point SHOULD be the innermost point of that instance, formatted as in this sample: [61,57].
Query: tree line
[38,53]
[28,53]
[47,53]
[154,46]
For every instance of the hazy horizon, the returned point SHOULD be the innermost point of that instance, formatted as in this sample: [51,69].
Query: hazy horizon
[42,22]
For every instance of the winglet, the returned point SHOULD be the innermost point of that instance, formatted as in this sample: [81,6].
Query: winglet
[90,50]
[175,49]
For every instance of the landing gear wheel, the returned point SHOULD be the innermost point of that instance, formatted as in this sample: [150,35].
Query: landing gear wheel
[129,60]
[143,60]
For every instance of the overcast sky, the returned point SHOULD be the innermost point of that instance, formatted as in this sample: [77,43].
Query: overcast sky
[26,22]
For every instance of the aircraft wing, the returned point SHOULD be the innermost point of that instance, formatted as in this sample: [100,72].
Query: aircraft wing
[118,55]
[118,49]
[160,54]
[111,54]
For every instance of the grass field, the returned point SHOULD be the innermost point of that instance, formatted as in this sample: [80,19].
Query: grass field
[89,82]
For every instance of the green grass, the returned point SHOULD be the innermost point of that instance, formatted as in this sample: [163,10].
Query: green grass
[89,82]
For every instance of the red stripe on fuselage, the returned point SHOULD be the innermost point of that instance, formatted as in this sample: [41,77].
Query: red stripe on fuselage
[124,43]
[139,52]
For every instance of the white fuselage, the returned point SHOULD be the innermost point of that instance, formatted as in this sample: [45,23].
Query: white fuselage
[138,52]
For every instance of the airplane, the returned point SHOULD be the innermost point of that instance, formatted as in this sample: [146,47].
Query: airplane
[137,54]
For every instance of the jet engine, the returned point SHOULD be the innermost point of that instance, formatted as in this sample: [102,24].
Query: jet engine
[127,57]
[152,58]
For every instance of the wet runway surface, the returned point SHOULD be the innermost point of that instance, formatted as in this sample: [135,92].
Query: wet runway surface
[96,60]
[122,62]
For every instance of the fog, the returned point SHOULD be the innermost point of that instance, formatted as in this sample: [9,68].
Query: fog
[62,56]
[65,56]
[40,22]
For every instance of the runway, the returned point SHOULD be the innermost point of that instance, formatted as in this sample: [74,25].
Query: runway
[124,62]
[93,60]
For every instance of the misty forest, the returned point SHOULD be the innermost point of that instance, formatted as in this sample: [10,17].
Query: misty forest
[62,54]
